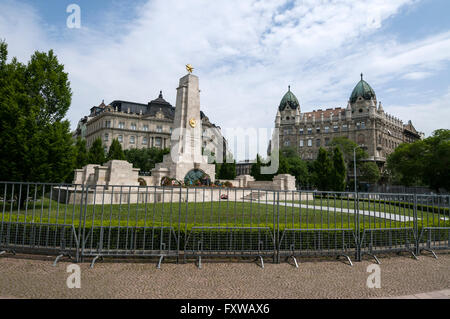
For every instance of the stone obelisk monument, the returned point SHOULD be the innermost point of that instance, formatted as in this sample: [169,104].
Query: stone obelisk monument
[186,139]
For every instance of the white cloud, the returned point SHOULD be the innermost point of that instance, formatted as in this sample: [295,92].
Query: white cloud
[246,53]
[417,75]
[427,117]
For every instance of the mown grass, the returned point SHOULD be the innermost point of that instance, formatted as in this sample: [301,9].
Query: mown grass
[185,216]
[425,214]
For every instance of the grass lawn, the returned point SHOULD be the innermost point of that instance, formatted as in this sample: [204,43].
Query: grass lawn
[215,214]
[425,214]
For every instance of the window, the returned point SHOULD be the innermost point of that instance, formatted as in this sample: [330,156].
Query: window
[158,141]
[144,141]
[318,129]
[309,130]
[327,141]
[327,129]
[122,125]
[310,142]
[159,129]
[363,125]
[107,124]
[133,126]
[318,142]
[301,143]
[358,125]
[145,127]
[301,131]
[106,137]
[132,139]
[170,130]
[336,128]
[120,138]
[287,143]
[344,127]
[105,149]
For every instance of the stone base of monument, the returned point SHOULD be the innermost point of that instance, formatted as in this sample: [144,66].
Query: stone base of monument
[179,170]
[114,172]
[114,195]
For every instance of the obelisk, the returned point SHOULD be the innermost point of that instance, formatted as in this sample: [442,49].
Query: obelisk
[186,138]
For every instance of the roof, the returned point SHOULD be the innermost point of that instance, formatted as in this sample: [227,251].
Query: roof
[317,114]
[362,89]
[289,99]
[410,127]
[150,109]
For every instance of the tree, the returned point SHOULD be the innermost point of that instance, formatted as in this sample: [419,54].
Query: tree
[406,164]
[436,171]
[227,170]
[323,168]
[96,153]
[36,144]
[145,158]
[115,151]
[370,172]
[425,162]
[295,165]
[347,146]
[81,158]
[339,174]
[255,171]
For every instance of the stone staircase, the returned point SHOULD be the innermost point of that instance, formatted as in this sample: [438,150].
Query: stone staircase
[253,196]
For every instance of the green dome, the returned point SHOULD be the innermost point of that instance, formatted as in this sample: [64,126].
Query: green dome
[364,90]
[289,99]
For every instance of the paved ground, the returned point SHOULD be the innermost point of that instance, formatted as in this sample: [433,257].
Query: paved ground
[442,294]
[31,277]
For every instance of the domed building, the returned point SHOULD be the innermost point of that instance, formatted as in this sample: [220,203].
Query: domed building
[362,121]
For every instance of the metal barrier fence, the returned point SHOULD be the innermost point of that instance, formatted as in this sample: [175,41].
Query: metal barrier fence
[94,221]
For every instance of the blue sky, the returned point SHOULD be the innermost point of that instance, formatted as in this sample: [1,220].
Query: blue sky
[246,53]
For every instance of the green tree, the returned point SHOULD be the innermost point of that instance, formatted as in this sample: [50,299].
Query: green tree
[255,171]
[227,170]
[96,153]
[323,169]
[36,144]
[347,146]
[370,172]
[339,173]
[146,158]
[425,162]
[81,159]
[115,151]
[406,164]
[295,166]
[436,171]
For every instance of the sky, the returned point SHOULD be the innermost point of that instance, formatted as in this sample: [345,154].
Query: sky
[245,53]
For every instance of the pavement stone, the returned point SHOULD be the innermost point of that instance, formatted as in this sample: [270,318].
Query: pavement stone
[402,277]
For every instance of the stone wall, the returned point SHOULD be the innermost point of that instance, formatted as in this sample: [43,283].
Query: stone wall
[136,194]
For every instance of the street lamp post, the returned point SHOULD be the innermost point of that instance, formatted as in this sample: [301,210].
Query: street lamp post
[354,163]
[358,248]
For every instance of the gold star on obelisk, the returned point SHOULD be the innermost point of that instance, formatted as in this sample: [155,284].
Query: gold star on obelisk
[189,68]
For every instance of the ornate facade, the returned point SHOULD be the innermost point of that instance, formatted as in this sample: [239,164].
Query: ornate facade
[138,125]
[363,121]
